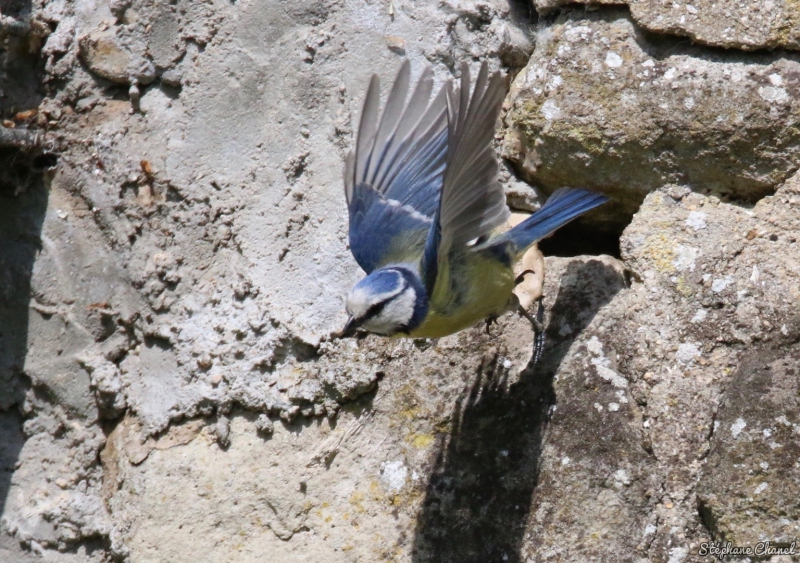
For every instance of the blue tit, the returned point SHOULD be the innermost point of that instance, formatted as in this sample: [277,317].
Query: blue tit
[425,204]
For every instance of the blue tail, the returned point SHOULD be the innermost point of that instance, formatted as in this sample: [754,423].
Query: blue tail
[562,207]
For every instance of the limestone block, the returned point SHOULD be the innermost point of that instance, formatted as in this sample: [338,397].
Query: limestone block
[599,106]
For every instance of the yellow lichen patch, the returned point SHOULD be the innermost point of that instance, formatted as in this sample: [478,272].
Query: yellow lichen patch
[409,495]
[375,491]
[420,440]
[591,138]
[659,249]
[357,500]
[386,553]
[784,29]
[683,287]
[409,403]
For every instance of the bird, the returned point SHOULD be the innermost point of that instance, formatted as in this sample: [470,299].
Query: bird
[425,205]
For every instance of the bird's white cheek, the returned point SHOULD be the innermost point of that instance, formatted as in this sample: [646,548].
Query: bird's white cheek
[401,309]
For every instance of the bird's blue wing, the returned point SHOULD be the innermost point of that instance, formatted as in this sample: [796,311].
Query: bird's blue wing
[384,231]
[393,179]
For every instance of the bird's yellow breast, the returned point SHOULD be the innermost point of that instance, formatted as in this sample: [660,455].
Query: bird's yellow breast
[480,286]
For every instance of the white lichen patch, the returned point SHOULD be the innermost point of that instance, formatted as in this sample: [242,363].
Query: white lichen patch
[773,94]
[613,60]
[677,554]
[394,474]
[737,427]
[685,257]
[555,82]
[687,352]
[700,316]
[696,219]
[621,478]
[719,284]
[577,33]
[550,110]
[601,363]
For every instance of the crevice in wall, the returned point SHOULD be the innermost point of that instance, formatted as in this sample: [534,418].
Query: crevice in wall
[582,237]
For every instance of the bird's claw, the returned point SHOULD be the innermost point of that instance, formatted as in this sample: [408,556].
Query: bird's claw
[521,277]
[537,323]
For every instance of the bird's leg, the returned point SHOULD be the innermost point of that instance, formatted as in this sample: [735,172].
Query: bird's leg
[489,322]
[537,323]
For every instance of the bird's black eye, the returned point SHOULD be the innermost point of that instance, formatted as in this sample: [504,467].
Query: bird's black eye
[375,309]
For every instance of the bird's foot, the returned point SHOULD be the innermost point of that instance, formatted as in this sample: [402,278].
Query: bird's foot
[489,322]
[537,323]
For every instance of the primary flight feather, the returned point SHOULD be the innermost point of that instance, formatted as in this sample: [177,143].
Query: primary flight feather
[424,205]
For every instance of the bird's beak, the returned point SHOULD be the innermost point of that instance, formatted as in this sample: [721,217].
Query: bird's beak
[349,328]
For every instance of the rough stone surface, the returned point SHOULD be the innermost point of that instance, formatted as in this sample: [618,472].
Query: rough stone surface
[717,283]
[173,256]
[739,24]
[734,24]
[104,56]
[749,490]
[599,106]
[400,474]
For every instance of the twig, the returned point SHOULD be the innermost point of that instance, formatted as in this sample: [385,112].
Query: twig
[21,139]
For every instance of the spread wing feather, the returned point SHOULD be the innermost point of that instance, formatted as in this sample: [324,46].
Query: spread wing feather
[472,201]
[393,178]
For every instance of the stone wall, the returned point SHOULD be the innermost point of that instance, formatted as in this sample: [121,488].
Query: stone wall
[173,258]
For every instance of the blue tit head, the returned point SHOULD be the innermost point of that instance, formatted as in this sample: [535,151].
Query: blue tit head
[389,301]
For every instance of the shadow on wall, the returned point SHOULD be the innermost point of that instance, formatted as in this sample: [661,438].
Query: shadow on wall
[478,499]
[23,202]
